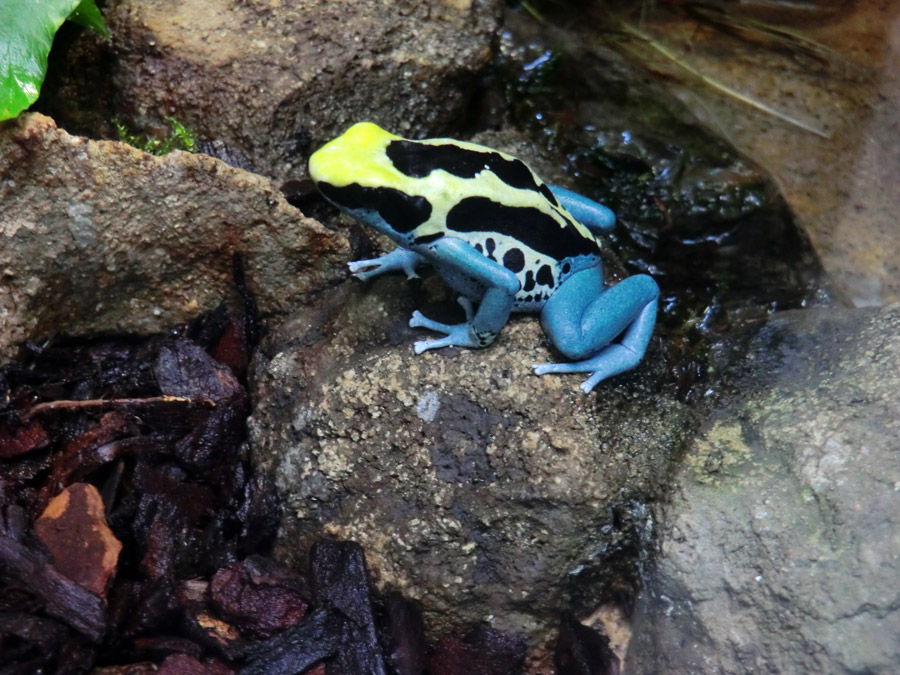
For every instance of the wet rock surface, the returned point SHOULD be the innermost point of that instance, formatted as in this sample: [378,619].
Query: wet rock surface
[269,82]
[831,72]
[100,237]
[700,214]
[487,492]
[781,551]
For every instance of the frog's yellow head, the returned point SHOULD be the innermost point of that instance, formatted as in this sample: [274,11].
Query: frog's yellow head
[356,156]
[355,173]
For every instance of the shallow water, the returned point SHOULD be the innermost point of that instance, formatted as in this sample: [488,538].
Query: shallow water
[835,73]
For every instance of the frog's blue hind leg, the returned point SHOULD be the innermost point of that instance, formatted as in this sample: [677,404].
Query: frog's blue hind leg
[583,324]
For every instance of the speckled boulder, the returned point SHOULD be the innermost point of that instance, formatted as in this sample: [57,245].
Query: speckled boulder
[782,551]
[489,493]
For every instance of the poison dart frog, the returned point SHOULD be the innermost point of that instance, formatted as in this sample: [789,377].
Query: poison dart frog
[497,235]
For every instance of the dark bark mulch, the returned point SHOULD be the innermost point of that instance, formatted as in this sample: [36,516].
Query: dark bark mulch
[134,533]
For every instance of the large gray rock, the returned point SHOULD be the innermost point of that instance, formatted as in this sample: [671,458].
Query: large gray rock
[783,549]
[485,491]
[98,236]
[271,80]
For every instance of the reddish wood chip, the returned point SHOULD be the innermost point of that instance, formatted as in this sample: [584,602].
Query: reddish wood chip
[73,528]
[259,604]
[181,664]
[87,451]
[26,438]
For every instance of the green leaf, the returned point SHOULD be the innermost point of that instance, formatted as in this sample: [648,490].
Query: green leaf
[87,15]
[27,28]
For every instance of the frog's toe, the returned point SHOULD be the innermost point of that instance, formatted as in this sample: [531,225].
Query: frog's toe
[544,368]
[409,268]
[424,345]
[399,259]
[365,276]
[586,386]
[419,320]
[611,360]
[356,265]
[459,335]
[364,269]
[592,382]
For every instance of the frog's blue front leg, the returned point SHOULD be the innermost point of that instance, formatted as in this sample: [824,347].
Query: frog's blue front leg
[457,258]
[398,259]
[595,217]
[582,320]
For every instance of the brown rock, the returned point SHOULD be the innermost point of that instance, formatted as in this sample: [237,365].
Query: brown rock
[472,484]
[264,82]
[73,527]
[99,236]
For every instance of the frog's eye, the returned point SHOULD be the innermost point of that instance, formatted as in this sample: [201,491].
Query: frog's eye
[402,212]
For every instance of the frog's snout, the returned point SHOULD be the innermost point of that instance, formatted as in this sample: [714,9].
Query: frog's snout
[321,165]
[351,156]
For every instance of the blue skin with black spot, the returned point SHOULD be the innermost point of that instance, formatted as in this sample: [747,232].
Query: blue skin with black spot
[604,331]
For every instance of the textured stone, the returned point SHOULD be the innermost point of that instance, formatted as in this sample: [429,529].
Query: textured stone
[268,81]
[485,491]
[838,76]
[782,553]
[98,236]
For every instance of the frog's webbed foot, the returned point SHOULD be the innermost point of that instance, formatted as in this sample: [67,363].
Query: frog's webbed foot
[457,335]
[398,259]
[611,360]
